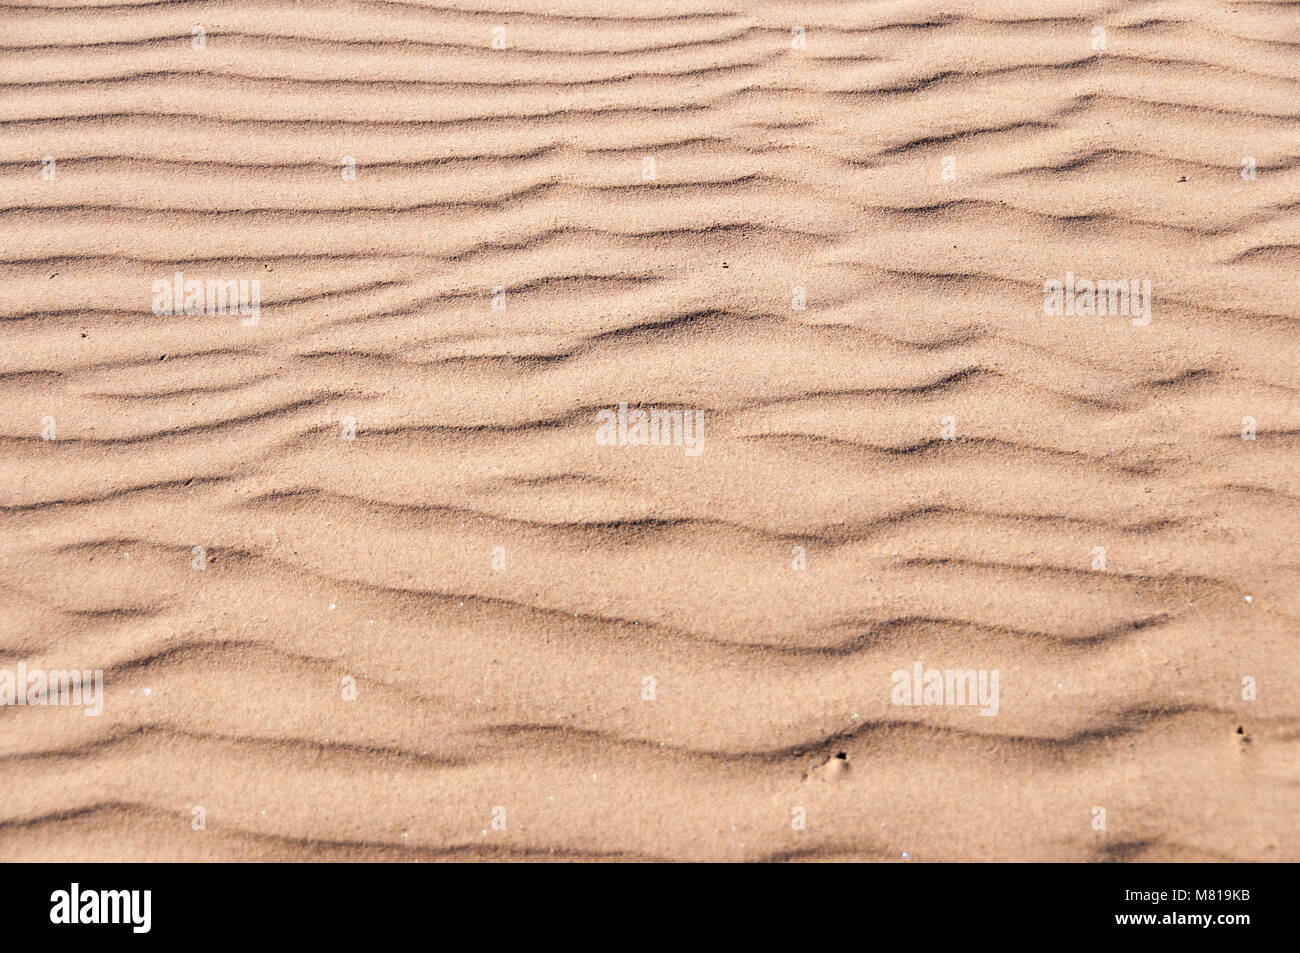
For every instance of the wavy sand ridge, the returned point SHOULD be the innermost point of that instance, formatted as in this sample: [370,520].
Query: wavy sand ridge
[832,242]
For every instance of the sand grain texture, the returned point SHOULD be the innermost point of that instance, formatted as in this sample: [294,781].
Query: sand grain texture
[776,168]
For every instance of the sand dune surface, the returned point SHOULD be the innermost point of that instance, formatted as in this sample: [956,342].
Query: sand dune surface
[493,430]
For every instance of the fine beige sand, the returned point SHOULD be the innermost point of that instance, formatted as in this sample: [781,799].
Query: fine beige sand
[366,581]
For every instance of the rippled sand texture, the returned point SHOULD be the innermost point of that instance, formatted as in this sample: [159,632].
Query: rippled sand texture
[520,690]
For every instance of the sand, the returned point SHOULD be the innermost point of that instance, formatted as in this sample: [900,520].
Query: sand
[375,569]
